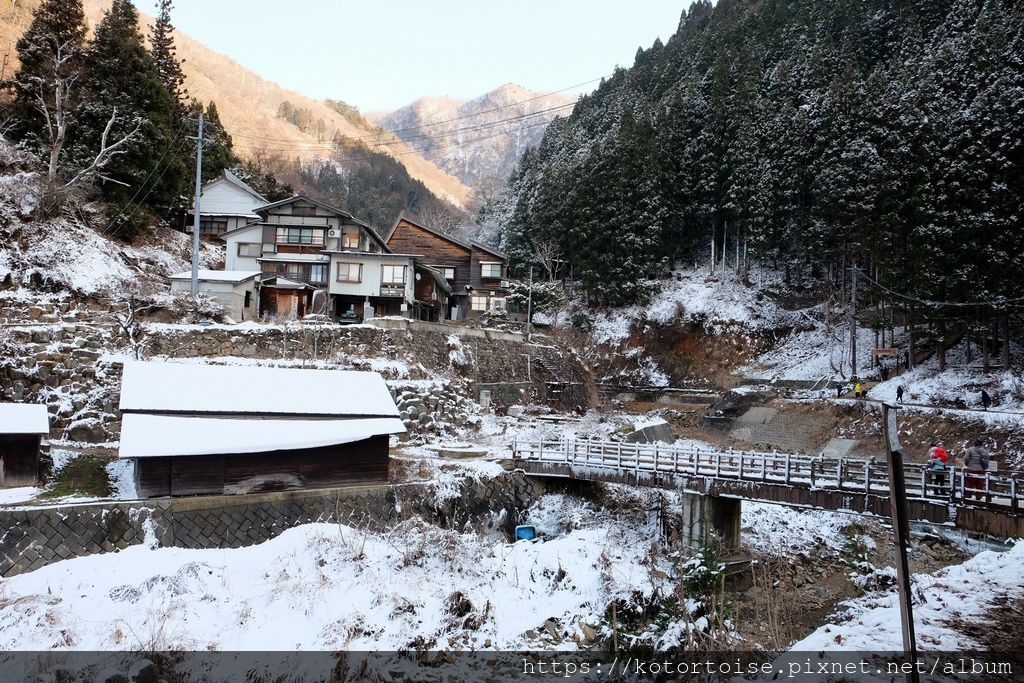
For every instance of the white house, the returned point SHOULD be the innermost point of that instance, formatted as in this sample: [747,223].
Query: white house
[237,291]
[226,203]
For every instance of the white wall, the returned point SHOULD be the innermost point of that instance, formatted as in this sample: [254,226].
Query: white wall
[221,197]
[370,285]
[229,295]
[232,261]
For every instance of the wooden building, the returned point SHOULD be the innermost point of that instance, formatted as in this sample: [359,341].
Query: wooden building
[22,429]
[477,273]
[203,429]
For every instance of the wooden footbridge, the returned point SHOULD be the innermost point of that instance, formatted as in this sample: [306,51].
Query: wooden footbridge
[990,503]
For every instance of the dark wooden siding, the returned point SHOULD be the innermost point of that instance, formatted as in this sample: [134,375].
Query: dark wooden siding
[21,459]
[153,477]
[355,463]
[433,251]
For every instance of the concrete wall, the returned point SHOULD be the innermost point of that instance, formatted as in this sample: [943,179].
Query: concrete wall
[33,538]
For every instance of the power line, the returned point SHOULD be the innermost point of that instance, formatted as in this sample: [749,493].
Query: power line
[122,216]
[148,177]
[312,152]
[370,141]
[994,303]
[469,116]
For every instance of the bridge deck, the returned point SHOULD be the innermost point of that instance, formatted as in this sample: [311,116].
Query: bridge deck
[984,502]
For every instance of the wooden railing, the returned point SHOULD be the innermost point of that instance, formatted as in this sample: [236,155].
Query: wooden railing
[990,489]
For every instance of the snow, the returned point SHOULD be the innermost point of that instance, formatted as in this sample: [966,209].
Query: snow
[778,530]
[965,591]
[234,276]
[186,387]
[24,418]
[146,436]
[19,494]
[331,587]
[121,474]
[692,296]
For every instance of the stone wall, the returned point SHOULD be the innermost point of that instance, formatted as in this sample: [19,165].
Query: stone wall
[35,537]
[59,364]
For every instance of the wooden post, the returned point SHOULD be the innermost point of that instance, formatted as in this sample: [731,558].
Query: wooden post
[787,468]
[901,528]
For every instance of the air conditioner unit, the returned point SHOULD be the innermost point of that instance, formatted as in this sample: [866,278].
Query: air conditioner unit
[332,233]
[504,284]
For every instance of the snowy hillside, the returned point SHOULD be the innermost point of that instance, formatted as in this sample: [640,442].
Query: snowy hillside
[482,139]
[70,253]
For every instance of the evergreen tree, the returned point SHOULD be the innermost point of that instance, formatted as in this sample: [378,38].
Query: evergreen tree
[50,55]
[168,66]
[218,147]
[121,78]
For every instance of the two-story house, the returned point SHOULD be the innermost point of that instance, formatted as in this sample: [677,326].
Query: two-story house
[315,258]
[476,273]
[226,203]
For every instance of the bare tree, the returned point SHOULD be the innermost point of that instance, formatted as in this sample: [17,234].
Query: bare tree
[128,307]
[548,254]
[56,100]
[445,218]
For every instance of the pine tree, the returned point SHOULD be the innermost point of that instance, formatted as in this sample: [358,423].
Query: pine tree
[161,39]
[218,147]
[121,78]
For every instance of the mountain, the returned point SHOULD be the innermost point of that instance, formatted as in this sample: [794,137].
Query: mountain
[805,136]
[249,105]
[503,123]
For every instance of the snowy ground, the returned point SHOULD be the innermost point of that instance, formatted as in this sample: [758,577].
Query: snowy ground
[323,586]
[964,591]
[690,295]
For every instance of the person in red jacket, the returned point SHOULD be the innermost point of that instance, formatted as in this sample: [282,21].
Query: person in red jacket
[938,457]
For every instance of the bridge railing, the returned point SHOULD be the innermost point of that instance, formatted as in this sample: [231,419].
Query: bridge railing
[815,472]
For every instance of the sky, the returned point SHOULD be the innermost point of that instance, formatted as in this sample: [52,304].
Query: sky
[383,54]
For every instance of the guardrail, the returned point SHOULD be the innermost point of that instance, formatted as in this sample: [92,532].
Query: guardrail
[955,486]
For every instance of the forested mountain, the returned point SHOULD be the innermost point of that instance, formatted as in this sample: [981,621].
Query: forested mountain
[803,134]
[480,140]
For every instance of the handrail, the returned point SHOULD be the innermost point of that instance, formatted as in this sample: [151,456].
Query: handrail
[814,472]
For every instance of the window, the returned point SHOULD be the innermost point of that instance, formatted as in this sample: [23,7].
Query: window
[490,270]
[269,248]
[478,303]
[318,274]
[211,226]
[312,236]
[392,275]
[249,249]
[498,304]
[447,271]
[350,272]
[350,239]
[303,210]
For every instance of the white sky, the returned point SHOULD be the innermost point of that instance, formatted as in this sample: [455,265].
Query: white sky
[381,54]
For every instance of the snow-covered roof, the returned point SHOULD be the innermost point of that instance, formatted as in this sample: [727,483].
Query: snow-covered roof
[235,276]
[151,436]
[157,387]
[24,418]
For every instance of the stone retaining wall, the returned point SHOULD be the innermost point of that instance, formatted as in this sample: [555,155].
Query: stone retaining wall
[36,537]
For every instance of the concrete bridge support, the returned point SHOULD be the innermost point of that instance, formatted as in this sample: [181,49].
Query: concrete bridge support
[706,518]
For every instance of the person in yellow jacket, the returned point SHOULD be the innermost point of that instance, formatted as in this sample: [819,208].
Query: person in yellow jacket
[858,390]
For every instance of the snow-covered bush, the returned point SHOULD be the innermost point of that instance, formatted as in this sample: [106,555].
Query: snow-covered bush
[197,308]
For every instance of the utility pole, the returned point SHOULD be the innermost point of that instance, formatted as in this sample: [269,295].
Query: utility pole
[195,218]
[901,529]
[853,320]
[529,310]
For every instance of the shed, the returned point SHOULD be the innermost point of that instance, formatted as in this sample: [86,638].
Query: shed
[235,290]
[22,428]
[204,429]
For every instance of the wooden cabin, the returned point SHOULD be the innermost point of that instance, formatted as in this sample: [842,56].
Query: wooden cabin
[22,429]
[476,273]
[204,429]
